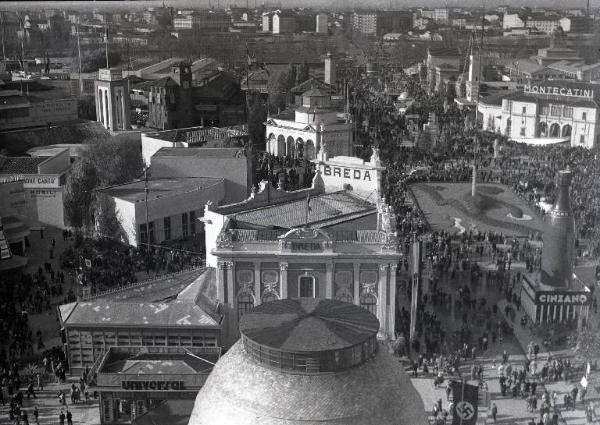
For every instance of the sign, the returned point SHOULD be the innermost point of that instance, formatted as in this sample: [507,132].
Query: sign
[347,173]
[306,247]
[465,397]
[562,298]
[559,91]
[153,385]
[33,180]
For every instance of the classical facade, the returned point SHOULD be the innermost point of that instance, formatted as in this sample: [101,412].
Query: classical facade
[299,134]
[112,100]
[546,112]
[314,243]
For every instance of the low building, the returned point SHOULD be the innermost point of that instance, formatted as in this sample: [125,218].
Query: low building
[552,54]
[168,312]
[300,133]
[42,184]
[162,209]
[133,381]
[546,112]
[20,110]
[232,165]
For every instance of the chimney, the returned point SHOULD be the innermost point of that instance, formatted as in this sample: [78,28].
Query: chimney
[559,237]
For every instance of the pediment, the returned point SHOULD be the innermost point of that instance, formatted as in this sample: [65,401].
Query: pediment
[306,234]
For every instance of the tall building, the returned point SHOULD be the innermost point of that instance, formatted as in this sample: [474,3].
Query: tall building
[321,21]
[284,23]
[112,100]
[308,361]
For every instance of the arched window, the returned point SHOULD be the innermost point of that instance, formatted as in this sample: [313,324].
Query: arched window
[543,129]
[555,130]
[345,297]
[368,301]
[566,131]
[245,302]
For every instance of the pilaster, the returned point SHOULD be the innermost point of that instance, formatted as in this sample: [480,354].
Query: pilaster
[283,280]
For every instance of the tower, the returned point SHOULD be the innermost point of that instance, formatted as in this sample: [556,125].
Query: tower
[112,100]
[472,83]
[329,69]
[181,73]
[559,237]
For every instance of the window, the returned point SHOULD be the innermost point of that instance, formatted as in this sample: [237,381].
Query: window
[151,227]
[555,110]
[568,111]
[522,131]
[192,222]
[524,110]
[143,233]
[184,225]
[245,302]
[584,116]
[545,109]
[167,227]
[508,126]
[582,139]
[306,286]
[369,302]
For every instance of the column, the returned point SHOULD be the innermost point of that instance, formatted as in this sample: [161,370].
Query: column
[356,283]
[392,306]
[328,281]
[283,282]
[230,283]
[257,283]
[382,302]
[99,107]
[554,311]
[106,116]
[560,318]
[220,276]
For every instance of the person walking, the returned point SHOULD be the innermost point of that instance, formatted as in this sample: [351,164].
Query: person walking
[69,417]
[36,415]
[494,411]
[61,418]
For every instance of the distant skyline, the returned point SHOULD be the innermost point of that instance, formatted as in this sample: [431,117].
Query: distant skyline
[331,5]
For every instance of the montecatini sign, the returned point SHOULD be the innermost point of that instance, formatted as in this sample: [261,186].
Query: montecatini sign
[562,298]
[559,91]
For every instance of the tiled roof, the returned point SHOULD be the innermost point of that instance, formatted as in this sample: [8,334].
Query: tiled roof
[241,391]
[312,82]
[573,101]
[20,165]
[153,363]
[309,325]
[103,313]
[201,152]
[293,214]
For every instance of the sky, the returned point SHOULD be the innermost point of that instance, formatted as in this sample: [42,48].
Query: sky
[330,4]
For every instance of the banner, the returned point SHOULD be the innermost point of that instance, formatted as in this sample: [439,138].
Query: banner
[464,397]
[416,273]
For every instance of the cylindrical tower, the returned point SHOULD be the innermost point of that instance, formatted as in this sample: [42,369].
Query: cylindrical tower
[559,237]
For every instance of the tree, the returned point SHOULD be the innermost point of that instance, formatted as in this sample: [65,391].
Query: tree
[257,115]
[78,193]
[92,61]
[278,86]
[302,73]
[586,343]
[107,222]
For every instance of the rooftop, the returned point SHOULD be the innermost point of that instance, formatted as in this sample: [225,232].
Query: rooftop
[102,312]
[201,152]
[160,188]
[308,325]
[157,363]
[324,209]
[20,165]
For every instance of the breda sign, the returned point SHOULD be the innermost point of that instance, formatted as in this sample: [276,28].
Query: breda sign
[562,298]
[346,173]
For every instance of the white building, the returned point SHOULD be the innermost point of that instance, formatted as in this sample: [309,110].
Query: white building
[283,23]
[512,20]
[172,208]
[299,134]
[546,112]
[321,23]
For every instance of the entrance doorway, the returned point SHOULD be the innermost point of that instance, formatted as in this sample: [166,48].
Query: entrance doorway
[306,286]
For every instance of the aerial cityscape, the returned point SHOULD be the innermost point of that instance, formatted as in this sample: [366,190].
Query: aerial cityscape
[223,212]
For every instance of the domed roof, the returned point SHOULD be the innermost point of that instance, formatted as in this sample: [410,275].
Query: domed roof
[309,325]
[241,391]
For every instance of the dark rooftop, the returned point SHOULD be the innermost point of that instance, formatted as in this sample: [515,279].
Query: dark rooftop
[158,363]
[308,325]
[20,165]
[202,152]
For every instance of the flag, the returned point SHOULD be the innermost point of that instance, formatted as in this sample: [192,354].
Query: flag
[465,399]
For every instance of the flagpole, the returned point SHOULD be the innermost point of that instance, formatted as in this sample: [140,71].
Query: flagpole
[106,44]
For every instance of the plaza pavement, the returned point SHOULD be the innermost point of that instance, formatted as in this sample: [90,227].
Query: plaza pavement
[510,411]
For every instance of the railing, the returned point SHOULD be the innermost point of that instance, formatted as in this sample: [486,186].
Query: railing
[93,371]
[132,285]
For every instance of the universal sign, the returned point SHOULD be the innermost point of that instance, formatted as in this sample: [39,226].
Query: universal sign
[153,385]
[559,91]
[562,298]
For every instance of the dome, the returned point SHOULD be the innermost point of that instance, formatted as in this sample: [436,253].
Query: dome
[254,387]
